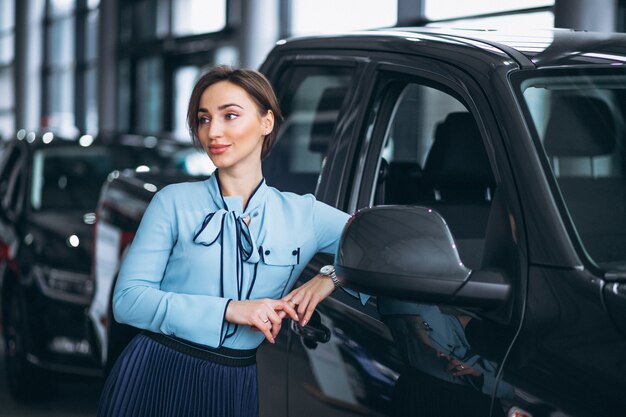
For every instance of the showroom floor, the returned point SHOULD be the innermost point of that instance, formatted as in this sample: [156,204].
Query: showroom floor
[76,397]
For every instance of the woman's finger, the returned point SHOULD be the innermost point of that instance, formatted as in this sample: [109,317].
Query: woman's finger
[310,309]
[264,327]
[287,308]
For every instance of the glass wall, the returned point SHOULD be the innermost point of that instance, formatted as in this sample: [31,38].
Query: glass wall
[164,44]
[448,9]
[59,65]
[7,55]
[88,67]
[328,16]
[70,66]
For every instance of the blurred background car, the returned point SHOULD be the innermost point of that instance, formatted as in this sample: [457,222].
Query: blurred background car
[123,200]
[50,187]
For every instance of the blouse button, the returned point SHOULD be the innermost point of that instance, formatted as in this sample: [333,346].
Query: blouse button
[294,253]
[267,252]
[255,214]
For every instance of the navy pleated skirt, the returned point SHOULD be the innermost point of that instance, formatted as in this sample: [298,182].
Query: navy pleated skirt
[158,376]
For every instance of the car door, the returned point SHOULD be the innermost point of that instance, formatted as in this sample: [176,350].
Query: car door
[312,91]
[428,138]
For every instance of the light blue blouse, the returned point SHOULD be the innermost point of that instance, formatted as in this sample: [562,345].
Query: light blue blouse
[193,253]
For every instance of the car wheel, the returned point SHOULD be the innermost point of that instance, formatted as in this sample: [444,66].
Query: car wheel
[26,381]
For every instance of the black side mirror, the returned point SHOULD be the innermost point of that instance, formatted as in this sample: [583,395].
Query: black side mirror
[407,252]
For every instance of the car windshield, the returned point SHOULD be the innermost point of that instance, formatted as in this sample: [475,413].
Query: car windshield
[580,122]
[70,178]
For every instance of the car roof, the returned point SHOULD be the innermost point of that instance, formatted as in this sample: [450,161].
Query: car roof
[37,140]
[531,49]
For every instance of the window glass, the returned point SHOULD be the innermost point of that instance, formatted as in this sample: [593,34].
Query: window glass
[192,17]
[61,7]
[149,95]
[6,87]
[7,125]
[68,178]
[123,95]
[434,156]
[184,79]
[310,104]
[91,32]
[7,51]
[580,120]
[125,31]
[152,20]
[311,17]
[538,20]
[7,178]
[91,101]
[7,15]
[61,41]
[61,99]
[446,9]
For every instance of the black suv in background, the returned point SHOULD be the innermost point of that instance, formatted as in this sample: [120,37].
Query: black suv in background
[49,188]
[487,175]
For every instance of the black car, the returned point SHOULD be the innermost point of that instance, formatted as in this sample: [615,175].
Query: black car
[514,302]
[487,174]
[49,188]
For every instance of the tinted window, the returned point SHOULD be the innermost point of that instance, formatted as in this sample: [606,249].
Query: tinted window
[65,178]
[71,177]
[433,155]
[310,102]
[581,123]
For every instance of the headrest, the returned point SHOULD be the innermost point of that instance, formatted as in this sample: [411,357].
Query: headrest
[457,157]
[325,118]
[579,126]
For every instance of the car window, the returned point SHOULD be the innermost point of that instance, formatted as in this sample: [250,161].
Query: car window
[310,102]
[68,177]
[433,155]
[8,178]
[581,124]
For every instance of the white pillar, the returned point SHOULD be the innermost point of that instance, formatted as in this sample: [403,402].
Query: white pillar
[28,63]
[592,15]
[259,30]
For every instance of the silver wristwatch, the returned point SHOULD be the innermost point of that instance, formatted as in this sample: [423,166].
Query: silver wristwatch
[329,271]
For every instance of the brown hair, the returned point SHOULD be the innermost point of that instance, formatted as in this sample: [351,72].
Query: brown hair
[253,82]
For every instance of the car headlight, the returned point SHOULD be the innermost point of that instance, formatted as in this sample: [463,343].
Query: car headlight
[74,287]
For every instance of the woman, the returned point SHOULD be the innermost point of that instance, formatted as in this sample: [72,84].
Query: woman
[209,272]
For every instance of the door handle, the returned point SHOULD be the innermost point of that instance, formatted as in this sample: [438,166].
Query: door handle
[315,333]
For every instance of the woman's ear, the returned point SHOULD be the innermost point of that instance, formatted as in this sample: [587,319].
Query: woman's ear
[268,122]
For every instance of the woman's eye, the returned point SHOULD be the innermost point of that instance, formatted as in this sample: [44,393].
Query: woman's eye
[231,116]
[203,120]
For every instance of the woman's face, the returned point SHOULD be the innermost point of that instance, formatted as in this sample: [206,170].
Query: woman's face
[230,127]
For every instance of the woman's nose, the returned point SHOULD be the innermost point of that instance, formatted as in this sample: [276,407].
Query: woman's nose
[215,129]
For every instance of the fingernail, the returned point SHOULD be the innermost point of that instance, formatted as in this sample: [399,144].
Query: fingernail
[297,318]
[304,322]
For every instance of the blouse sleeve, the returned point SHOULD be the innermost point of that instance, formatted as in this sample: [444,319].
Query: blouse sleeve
[138,299]
[328,223]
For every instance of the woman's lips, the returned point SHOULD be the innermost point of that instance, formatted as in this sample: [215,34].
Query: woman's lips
[217,149]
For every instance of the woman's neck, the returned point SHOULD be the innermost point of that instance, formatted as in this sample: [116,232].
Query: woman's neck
[240,182]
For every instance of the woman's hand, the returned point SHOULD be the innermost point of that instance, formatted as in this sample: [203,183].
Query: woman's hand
[458,368]
[265,314]
[309,295]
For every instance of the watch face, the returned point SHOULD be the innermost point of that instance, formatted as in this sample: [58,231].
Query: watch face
[327,269]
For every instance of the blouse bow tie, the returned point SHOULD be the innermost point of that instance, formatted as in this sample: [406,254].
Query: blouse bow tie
[231,230]
[220,223]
